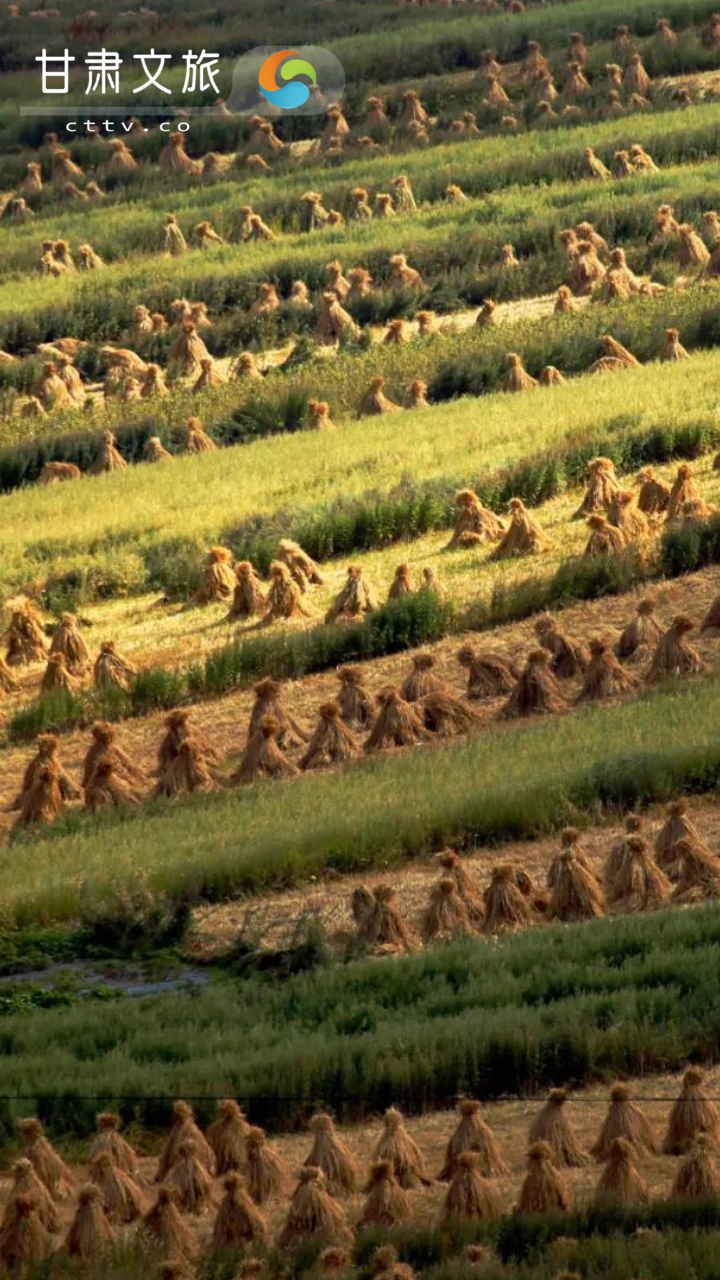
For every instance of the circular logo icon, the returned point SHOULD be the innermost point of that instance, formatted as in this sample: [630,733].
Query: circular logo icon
[289,95]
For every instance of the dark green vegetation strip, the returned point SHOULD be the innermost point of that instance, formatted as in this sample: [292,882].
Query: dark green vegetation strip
[565,1005]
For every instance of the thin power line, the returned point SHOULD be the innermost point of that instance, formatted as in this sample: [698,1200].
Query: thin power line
[310,1099]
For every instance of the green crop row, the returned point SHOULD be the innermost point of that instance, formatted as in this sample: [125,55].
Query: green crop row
[564,1005]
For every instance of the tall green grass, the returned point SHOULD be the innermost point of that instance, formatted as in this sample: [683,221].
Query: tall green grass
[565,1005]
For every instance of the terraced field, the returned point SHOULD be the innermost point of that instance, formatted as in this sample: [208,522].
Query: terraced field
[199,924]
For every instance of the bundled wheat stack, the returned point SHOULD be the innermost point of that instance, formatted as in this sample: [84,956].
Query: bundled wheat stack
[106,787]
[398,332]
[45,759]
[683,490]
[404,197]
[619,851]
[605,539]
[586,270]
[124,1200]
[239,1222]
[111,669]
[302,566]
[318,418]
[401,1151]
[517,377]
[446,916]
[108,459]
[692,1115]
[486,315]
[165,1227]
[697,1176]
[263,757]
[42,803]
[698,873]
[474,1135]
[183,1130]
[575,891]
[353,699]
[506,906]
[265,1170]
[283,600]
[267,703]
[654,494]
[523,535]
[332,742]
[489,674]
[624,1119]
[23,1238]
[313,1213]
[191,1180]
[620,1180]
[227,1136]
[398,723]
[475,523]
[243,367]
[552,1126]
[677,826]
[595,167]
[109,1141]
[56,677]
[380,925]
[674,655]
[300,295]
[692,252]
[565,304]
[638,883]
[330,1154]
[636,78]
[334,322]
[174,240]
[26,1183]
[387,1203]
[470,1196]
[249,596]
[354,600]
[420,681]
[614,358]
[569,657]
[672,350]
[384,207]
[624,514]
[605,677]
[537,691]
[468,890]
[418,394]
[90,1232]
[445,715]
[360,284]
[641,634]
[24,636]
[375,401]
[337,283]
[544,1189]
